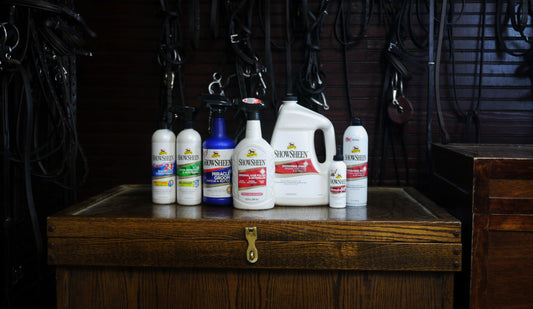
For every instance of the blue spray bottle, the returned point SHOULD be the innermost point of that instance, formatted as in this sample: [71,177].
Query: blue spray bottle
[217,153]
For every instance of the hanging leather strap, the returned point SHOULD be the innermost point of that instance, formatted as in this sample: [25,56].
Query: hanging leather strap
[268,55]
[55,8]
[312,80]
[516,13]
[347,40]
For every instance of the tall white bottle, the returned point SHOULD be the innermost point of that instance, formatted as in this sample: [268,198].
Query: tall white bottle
[355,150]
[188,161]
[337,181]
[253,164]
[163,167]
[301,180]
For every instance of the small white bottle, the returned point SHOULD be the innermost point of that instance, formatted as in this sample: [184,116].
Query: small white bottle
[189,161]
[253,164]
[337,181]
[163,167]
[355,150]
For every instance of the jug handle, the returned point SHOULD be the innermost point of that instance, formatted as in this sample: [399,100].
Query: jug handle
[329,139]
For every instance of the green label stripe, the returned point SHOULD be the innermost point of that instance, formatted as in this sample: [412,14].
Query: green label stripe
[190,169]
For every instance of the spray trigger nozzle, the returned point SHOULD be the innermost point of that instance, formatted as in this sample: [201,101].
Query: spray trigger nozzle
[251,106]
[183,110]
[217,103]
[187,113]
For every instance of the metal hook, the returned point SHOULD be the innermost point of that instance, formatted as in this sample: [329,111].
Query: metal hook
[324,102]
[262,80]
[217,78]
[6,35]
[394,83]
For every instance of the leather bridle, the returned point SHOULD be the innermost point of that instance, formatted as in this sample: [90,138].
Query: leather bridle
[347,40]
[170,58]
[39,45]
[312,80]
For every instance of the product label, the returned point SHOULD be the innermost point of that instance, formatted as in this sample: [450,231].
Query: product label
[164,189]
[252,174]
[337,187]
[189,172]
[296,176]
[337,183]
[163,161]
[291,161]
[355,157]
[293,168]
[355,172]
[189,183]
[217,172]
[169,182]
[163,172]
[192,169]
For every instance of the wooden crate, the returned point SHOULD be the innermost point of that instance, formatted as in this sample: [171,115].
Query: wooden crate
[490,188]
[118,250]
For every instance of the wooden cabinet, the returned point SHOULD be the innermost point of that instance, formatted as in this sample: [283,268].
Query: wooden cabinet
[490,188]
[118,250]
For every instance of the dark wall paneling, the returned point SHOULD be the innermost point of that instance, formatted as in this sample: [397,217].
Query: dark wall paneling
[119,87]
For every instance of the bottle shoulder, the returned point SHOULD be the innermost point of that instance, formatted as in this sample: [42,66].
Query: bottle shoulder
[216,142]
[355,132]
[189,135]
[295,114]
[338,164]
[163,135]
[259,145]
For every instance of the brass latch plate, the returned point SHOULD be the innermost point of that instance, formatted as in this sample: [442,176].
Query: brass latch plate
[251,237]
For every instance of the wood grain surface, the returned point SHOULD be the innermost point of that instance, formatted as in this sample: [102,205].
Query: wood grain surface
[196,288]
[402,230]
[494,201]
[118,250]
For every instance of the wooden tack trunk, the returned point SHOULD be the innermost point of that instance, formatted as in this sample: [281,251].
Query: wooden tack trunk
[490,188]
[118,250]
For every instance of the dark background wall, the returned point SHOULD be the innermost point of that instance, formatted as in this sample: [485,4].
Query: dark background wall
[119,87]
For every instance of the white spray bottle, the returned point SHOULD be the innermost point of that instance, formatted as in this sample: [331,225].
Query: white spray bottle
[163,166]
[301,180]
[188,160]
[253,164]
[337,181]
[355,148]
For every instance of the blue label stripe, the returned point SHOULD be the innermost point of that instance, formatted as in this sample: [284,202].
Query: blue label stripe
[219,176]
[162,170]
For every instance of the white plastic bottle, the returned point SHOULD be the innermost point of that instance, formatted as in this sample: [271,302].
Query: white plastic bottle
[163,167]
[337,181]
[253,164]
[355,150]
[301,180]
[189,162]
